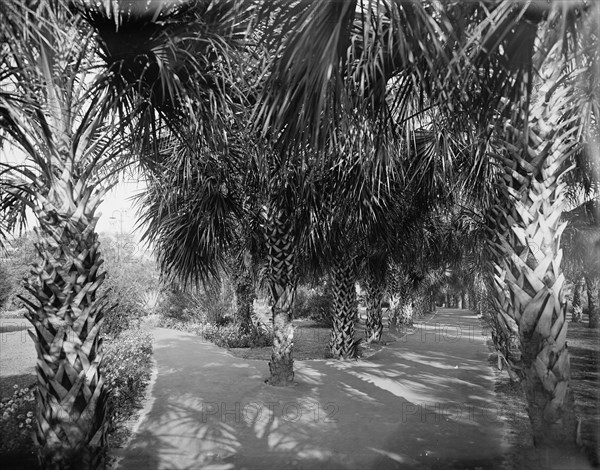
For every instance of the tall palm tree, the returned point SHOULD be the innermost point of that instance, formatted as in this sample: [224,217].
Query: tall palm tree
[68,118]
[536,158]
[61,120]
[492,47]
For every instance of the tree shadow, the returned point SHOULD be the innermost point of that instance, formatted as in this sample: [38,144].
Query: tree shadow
[414,405]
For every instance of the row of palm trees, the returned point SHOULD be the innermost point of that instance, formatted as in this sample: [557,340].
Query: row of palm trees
[319,135]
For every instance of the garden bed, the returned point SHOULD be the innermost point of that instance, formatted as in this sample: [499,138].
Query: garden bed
[128,364]
[311,341]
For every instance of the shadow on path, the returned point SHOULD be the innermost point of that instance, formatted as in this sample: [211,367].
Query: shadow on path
[425,401]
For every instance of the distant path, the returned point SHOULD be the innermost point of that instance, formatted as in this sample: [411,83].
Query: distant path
[17,351]
[425,401]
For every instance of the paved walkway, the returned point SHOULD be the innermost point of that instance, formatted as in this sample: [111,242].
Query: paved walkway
[426,401]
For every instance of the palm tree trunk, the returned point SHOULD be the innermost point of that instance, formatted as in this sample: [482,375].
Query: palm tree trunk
[342,343]
[67,317]
[593,309]
[431,307]
[282,283]
[394,311]
[577,308]
[532,261]
[374,300]
[406,311]
[393,290]
[244,295]
[419,304]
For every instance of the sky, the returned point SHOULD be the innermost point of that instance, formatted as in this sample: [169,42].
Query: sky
[118,213]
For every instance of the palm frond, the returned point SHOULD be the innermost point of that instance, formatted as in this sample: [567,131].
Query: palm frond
[172,63]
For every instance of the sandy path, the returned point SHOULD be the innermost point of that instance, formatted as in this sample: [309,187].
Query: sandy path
[426,401]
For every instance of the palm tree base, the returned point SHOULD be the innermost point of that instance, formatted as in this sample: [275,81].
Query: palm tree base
[373,333]
[551,429]
[282,373]
[281,365]
[62,458]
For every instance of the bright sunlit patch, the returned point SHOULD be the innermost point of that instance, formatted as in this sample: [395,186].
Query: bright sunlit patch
[308,374]
[412,391]
[315,454]
[391,455]
[357,394]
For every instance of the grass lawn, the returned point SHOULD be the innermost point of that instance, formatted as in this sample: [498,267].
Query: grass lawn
[311,341]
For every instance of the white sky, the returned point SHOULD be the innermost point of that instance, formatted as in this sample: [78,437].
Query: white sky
[116,209]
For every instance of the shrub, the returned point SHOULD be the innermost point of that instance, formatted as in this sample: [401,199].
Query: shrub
[178,306]
[214,303]
[301,308]
[316,304]
[17,420]
[217,301]
[321,308]
[127,371]
[6,286]
[230,336]
[126,285]
[17,266]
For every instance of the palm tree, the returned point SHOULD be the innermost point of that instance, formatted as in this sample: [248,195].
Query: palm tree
[493,49]
[241,269]
[530,278]
[342,342]
[374,281]
[57,116]
[282,277]
[583,256]
[68,118]
[577,308]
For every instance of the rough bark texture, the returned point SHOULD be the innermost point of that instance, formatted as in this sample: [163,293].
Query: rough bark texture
[342,343]
[393,292]
[374,299]
[394,311]
[505,330]
[244,297]
[67,316]
[531,263]
[595,315]
[419,304]
[406,311]
[282,284]
[577,307]
[467,302]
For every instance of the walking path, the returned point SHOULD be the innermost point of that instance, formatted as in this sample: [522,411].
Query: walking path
[425,401]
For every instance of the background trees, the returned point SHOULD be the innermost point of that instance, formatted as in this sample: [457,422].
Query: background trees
[363,116]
